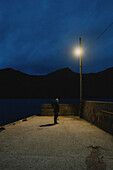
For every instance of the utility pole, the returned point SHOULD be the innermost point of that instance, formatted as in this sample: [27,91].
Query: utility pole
[80,111]
[80,71]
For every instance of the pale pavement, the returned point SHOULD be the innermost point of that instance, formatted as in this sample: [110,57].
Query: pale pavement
[73,144]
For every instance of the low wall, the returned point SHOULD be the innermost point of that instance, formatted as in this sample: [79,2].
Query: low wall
[64,110]
[99,114]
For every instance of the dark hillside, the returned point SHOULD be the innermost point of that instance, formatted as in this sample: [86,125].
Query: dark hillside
[63,83]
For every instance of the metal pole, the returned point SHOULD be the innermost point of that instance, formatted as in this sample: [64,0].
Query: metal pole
[80,72]
[80,111]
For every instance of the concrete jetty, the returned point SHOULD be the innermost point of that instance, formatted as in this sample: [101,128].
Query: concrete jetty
[38,144]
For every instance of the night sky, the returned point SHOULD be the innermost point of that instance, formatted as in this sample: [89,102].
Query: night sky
[38,36]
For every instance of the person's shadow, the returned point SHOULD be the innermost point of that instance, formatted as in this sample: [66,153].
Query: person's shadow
[47,125]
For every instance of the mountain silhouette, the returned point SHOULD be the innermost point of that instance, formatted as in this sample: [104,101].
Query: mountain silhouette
[63,83]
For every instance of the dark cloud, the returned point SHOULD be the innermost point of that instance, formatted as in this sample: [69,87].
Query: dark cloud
[38,36]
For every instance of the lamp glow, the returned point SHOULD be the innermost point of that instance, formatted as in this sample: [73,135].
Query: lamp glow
[77,51]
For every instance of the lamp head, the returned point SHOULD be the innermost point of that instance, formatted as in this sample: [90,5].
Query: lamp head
[77,51]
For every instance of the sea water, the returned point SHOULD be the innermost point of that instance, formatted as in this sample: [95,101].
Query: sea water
[15,109]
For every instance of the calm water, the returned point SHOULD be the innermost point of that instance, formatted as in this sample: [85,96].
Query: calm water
[15,109]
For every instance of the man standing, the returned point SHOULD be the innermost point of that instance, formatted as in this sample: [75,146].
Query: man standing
[55,106]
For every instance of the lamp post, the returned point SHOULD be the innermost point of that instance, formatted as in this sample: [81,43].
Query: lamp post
[80,72]
[79,52]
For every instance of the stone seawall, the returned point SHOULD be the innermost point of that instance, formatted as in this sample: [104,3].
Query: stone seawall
[99,114]
[64,110]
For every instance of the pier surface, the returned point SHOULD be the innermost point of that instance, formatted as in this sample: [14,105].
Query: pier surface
[38,144]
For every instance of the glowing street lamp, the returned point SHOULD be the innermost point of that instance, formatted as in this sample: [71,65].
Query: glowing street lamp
[78,52]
